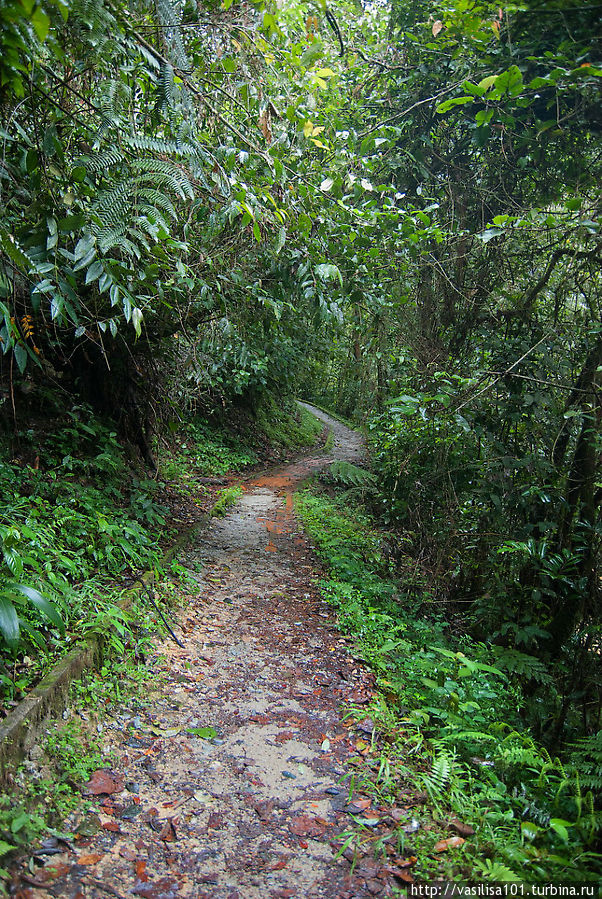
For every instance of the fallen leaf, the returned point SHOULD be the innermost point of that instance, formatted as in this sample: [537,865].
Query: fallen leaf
[54,871]
[215,821]
[105,781]
[165,731]
[207,733]
[264,809]
[325,746]
[284,736]
[361,803]
[451,843]
[165,888]
[279,865]
[92,859]
[465,830]
[168,832]
[304,826]
[128,854]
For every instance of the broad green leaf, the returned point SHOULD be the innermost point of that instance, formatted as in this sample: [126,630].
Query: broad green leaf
[313,52]
[39,601]
[207,733]
[449,104]
[41,23]
[20,356]
[137,320]
[9,622]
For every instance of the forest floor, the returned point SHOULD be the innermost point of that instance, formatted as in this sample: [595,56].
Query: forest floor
[229,777]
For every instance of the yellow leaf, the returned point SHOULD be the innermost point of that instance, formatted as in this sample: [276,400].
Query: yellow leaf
[308,128]
[324,73]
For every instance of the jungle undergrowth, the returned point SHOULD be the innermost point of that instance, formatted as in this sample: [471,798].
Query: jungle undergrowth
[447,726]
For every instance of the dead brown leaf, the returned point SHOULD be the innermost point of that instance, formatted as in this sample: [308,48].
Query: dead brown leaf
[304,826]
[451,843]
[105,781]
[165,888]
[465,830]
[168,832]
[91,859]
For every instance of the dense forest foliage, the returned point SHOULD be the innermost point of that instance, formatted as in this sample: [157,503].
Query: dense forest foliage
[392,209]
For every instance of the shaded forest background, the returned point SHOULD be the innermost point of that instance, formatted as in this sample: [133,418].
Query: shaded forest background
[390,209]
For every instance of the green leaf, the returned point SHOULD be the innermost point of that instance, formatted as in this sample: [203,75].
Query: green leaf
[5,848]
[20,357]
[94,272]
[41,23]
[313,52]
[280,240]
[207,733]
[256,232]
[40,602]
[449,104]
[9,622]
[137,320]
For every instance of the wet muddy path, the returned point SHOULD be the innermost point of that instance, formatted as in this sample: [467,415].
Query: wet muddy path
[229,776]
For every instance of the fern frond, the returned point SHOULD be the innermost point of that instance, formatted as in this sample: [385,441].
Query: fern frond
[351,475]
[439,777]
[159,200]
[586,761]
[98,163]
[164,173]
[113,101]
[521,664]
[169,16]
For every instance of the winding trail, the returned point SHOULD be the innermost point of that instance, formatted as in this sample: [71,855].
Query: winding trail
[251,812]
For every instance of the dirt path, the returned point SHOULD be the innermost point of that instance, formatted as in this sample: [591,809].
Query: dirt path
[253,811]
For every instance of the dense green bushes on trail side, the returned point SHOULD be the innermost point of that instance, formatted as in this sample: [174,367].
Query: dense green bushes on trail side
[537,817]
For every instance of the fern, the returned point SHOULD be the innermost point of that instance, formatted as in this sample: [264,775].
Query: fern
[168,14]
[525,666]
[114,99]
[586,760]
[163,173]
[440,775]
[351,475]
